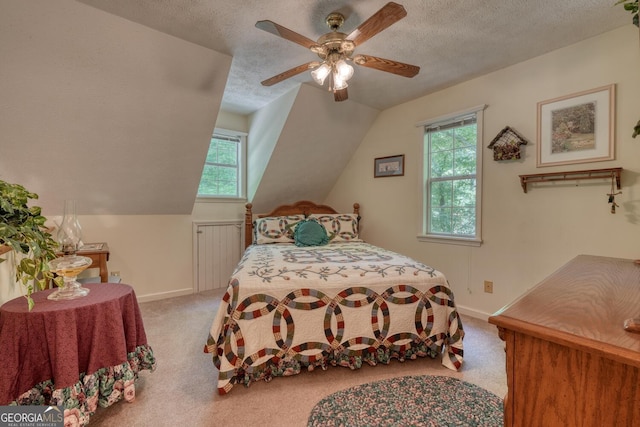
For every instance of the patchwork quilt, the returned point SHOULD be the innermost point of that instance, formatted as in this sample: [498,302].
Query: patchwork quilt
[288,307]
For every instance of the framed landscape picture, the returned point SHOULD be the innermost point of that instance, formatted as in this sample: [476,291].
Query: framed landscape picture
[577,128]
[388,166]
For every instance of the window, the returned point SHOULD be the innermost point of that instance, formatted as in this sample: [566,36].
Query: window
[452,172]
[223,173]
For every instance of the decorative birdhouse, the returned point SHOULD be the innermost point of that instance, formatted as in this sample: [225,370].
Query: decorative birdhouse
[506,145]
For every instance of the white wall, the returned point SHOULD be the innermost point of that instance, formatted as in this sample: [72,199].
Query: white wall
[9,288]
[99,109]
[75,79]
[303,162]
[223,210]
[153,253]
[526,236]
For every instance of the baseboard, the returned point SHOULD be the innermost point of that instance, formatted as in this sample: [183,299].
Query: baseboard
[466,311]
[164,295]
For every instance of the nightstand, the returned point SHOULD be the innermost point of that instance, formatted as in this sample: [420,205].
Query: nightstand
[99,254]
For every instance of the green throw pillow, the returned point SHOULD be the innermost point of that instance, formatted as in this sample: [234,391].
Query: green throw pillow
[310,233]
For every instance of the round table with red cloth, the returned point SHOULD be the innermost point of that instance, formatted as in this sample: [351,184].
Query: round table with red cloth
[64,352]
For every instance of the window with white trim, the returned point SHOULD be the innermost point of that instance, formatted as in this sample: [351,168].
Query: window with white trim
[224,168]
[452,172]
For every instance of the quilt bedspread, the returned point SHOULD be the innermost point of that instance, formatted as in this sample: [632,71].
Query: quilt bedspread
[288,308]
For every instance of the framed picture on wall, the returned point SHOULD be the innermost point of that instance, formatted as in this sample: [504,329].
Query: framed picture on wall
[577,128]
[388,166]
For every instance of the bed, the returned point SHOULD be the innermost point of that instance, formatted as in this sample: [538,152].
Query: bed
[293,303]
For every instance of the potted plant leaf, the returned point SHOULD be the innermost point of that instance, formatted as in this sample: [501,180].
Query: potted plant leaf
[632,7]
[22,228]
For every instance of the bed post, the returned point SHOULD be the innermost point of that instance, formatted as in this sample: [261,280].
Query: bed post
[356,209]
[248,226]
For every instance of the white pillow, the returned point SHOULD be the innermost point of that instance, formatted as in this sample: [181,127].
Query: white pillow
[339,227]
[275,229]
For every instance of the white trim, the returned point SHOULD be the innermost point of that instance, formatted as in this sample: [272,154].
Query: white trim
[476,241]
[466,311]
[229,132]
[451,116]
[242,176]
[219,222]
[164,295]
[219,199]
[480,162]
[431,238]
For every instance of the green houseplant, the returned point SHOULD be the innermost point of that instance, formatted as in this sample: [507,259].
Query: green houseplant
[632,7]
[22,228]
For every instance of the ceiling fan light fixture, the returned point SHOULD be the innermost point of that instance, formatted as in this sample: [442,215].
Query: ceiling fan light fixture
[338,83]
[336,49]
[344,70]
[321,73]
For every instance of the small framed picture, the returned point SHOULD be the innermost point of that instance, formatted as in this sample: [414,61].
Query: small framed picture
[389,166]
[577,128]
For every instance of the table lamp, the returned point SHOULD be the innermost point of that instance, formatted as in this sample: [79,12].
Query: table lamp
[69,265]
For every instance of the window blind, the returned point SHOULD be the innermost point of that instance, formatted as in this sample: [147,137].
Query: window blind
[450,124]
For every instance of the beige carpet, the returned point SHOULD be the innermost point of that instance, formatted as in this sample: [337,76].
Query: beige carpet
[182,391]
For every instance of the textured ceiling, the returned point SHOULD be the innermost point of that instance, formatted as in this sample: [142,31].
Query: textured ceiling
[451,41]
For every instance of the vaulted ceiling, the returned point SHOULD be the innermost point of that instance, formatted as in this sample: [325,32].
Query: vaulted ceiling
[305,161]
[451,41]
[102,110]
[113,103]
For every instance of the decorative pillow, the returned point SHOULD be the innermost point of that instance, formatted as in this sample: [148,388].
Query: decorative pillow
[310,233]
[275,229]
[339,227]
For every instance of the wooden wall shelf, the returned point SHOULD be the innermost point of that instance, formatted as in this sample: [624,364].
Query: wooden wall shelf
[571,176]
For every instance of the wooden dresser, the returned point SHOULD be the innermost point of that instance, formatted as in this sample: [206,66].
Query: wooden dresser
[569,360]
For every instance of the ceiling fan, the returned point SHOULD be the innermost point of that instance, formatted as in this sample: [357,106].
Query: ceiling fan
[335,49]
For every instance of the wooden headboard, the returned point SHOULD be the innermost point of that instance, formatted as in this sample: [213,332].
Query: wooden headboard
[302,207]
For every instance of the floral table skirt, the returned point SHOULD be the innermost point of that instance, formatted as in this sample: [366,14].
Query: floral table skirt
[103,387]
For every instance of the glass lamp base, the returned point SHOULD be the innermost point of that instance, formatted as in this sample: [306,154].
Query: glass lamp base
[70,290]
[69,267]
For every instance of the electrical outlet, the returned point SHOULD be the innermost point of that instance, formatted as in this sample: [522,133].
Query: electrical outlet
[488,286]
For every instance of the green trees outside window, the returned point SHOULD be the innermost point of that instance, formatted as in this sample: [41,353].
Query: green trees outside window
[221,176]
[451,168]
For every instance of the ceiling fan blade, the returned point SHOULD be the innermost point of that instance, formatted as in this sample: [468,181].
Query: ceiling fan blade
[382,19]
[285,33]
[395,67]
[289,73]
[340,95]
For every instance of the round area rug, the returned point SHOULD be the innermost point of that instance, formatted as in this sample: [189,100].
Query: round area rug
[429,401]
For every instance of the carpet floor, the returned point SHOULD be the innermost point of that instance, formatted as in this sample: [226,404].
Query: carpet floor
[418,401]
[182,390]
